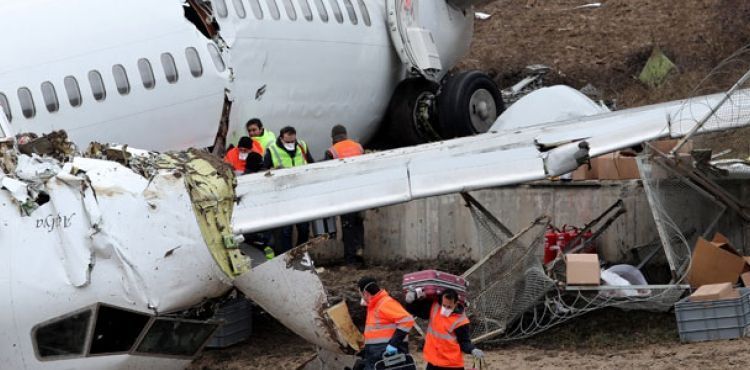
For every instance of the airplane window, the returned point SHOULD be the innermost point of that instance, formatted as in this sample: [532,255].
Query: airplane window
[194,62]
[121,79]
[116,330]
[306,11]
[174,337]
[257,11]
[73,91]
[275,14]
[6,106]
[50,97]
[350,10]
[97,86]
[27,102]
[170,68]
[239,8]
[221,8]
[365,13]
[290,12]
[62,337]
[147,73]
[336,11]
[216,57]
[322,10]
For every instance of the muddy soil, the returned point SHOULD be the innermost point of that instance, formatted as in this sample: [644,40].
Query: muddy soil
[608,46]
[605,339]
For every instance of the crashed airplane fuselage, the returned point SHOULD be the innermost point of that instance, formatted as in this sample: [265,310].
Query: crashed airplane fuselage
[164,75]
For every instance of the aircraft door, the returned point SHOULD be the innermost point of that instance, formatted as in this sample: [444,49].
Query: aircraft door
[415,45]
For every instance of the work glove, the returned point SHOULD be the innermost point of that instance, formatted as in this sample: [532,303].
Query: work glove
[410,296]
[390,350]
[477,353]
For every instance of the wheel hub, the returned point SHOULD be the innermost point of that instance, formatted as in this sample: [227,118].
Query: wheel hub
[482,110]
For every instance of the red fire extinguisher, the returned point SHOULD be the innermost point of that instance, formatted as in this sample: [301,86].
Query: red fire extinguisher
[551,249]
[565,236]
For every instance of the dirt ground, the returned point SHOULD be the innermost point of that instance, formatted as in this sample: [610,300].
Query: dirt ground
[608,46]
[606,339]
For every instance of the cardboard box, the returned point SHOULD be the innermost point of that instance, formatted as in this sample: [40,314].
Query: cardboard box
[714,292]
[582,269]
[745,279]
[715,262]
[615,167]
[666,146]
[583,173]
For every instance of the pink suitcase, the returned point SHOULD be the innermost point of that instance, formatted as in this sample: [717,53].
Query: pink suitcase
[433,283]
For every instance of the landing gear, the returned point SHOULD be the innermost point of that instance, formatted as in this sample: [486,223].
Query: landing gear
[410,113]
[468,104]
[421,111]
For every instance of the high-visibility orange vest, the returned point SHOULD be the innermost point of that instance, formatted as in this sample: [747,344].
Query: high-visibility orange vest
[233,156]
[345,149]
[440,344]
[384,316]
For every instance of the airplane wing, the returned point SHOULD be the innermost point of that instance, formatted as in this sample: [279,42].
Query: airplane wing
[537,151]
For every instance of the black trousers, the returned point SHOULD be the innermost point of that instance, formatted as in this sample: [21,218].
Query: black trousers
[353,230]
[433,367]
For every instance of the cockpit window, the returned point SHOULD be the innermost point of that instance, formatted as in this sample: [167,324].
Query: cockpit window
[322,10]
[274,9]
[365,13]
[173,337]
[306,10]
[6,106]
[350,11]
[116,330]
[63,337]
[337,11]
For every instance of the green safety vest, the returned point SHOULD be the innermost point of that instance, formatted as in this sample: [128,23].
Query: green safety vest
[267,139]
[281,158]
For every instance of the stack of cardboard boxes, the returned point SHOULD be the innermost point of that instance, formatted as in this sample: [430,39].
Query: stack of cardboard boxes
[622,165]
[716,264]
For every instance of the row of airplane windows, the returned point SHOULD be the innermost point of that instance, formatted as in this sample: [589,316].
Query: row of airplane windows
[222,10]
[122,83]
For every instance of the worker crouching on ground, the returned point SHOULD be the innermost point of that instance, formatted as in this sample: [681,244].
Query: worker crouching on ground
[246,156]
[387,325]
[351,223]
[447,335]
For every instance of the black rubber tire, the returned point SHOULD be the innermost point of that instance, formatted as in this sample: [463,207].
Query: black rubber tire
[454,115]
[400,125]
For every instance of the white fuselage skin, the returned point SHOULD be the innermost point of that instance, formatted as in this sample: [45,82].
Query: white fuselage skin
[309,74]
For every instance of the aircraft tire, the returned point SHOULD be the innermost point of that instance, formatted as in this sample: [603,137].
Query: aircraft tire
[468,104]
[402,124]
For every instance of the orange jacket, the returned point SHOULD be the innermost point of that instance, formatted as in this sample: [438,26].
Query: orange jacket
[441,347]
[233,156]
[345,149]
[384,316]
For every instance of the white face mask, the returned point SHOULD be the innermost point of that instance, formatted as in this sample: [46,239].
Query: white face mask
[362,302]
[290,146]
[445,311]
[243,156]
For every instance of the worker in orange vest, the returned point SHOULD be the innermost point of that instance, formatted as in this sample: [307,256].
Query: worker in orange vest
[247,155]
[387,325]
[352,224]
[447,337]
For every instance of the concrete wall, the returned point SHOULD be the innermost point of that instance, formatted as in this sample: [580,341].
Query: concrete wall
[442,227]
